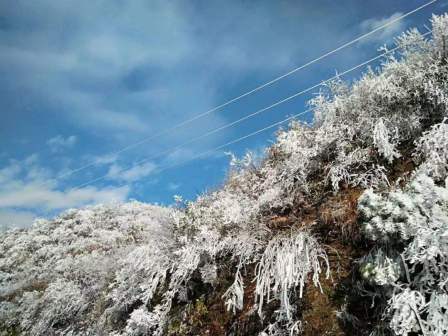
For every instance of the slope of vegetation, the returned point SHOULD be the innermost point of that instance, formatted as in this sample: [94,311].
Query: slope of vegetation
[342,229]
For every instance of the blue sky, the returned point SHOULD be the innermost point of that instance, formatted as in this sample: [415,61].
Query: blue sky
[82,79]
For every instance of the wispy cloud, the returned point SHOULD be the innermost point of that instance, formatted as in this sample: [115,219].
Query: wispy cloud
[173,186]
[385,35]
[134,67]
[27,189]
[59,143]
[112,73]
[34,195]
[124,174]
[103,159]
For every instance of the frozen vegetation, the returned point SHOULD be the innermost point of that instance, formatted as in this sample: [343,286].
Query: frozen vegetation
[409,267]
[138,269]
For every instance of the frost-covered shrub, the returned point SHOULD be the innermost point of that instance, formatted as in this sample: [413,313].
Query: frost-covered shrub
[356,136]
[234,296]
[381,111]
[432,149]
[381,269]
[401,215]
[141,322]
[209,273]
[58,276]
[437,315]
[412,224]
[61,304]
[405,309]
[284,266]
[282,328]
[385,140]
[140,273]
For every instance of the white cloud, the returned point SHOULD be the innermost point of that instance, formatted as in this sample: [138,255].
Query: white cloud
[93,63]
[31,159]
[15,219]
[59,143]
[118,173]
[173,186]
[9,172]
[28,170]
[44,197]
[181,156]
[386,34]
[103,159]
[26,188]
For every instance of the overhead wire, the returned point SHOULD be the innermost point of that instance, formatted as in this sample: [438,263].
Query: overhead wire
[147,159]
[256,89]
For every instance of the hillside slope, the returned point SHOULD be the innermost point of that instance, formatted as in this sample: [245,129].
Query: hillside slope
[342,229]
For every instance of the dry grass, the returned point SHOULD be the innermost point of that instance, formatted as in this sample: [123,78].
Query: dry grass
[339,214]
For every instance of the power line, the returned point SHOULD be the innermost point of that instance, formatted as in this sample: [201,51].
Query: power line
[147,159]
[216,148]
[258,88]
[205,153]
